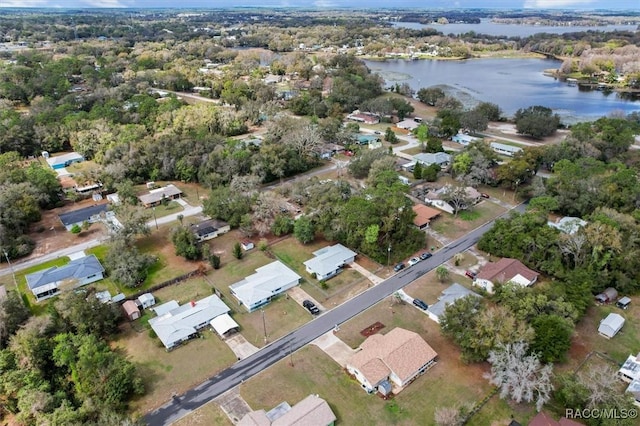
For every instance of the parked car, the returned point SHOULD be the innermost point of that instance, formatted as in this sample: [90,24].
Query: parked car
[399,267]
[484,195]
[420,304]
[311,307]
[413,261]
[425,255]
[377,132]
[471,274]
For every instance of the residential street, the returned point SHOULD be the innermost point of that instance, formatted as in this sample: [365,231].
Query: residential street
[183,404]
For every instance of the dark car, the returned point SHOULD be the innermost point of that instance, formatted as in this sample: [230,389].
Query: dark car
[311,307]
[420,304]
[470,274]
[425,255]
[398,267]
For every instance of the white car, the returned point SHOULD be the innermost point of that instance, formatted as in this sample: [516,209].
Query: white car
[413,261]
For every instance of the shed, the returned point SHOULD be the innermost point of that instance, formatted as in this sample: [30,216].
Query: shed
[607,296]
[247,245]
[146,300]
[610,326]
[624,302]
[131,310]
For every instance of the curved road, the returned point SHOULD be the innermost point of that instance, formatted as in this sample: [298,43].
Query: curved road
[182,405]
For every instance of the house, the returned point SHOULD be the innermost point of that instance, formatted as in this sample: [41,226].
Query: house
[463,139]
[630,373]
[91,214]
[503,149]
[328,261]
[610,326]
[544,419]
[448,296]
[435,198]
[442,159]
[311,411]
[61,161]
[146,300]
[176,324]
[503,271]
[424,215]
[607,296]
[77,273]
[366,139]
[155,197]
[269,281]
[363,117]
[395,358]
[568,224]
[131,311]
[208,229]
[409,124]
[247,245]
[224,325]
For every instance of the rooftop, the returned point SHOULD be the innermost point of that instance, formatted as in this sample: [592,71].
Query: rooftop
[75,270]
[504,270]
[329,258]
[448,296]
[156,195]
[264,283]
[424,214]
[82,215]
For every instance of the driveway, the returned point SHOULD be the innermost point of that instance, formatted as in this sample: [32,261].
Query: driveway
[240,346]
[334,347]
[365,273]
[233,405]
[299,295]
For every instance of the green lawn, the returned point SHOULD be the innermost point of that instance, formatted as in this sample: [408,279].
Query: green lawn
[454,227]
[165,210]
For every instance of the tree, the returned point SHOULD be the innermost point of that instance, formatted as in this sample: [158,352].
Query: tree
[553,337]
[442,273]
[458,198]
[304,230]
[85,314]
[402,107]
[214,260]
[282,225]
[474,121]
[417,171]
[520,376]
[76,229]
[536,121]
[186,243]
[430,173]
[430,95]
[390,136]
[237,251]
[421,133]
[13,313]
[126,264]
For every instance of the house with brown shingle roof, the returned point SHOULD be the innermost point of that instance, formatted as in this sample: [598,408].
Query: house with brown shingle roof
[503,271]
[391,361]
[424,215]
[311,411]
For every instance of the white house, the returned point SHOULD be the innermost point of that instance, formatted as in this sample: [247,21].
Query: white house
[311,411]
[77,273]
[176,324]
[269,281]
[610,326]
[463,139]
[503,149]
[64,160]
[503,271]
[395,358]
[209,229]
[442,159]
[408,124]
[448,296]
[328,261]
[630,373]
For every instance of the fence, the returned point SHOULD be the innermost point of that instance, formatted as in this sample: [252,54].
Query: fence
[167,283]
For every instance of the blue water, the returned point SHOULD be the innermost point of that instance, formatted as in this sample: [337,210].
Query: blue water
[510,83]
[509,30]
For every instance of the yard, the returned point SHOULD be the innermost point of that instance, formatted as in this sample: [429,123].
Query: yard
[453,227]
[208,414]
[448,383]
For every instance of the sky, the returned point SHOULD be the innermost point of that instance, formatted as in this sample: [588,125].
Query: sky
[427,4]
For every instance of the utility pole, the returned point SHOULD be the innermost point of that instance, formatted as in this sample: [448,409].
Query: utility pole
[264,326]
[15,282]
[154,217]
[388,255]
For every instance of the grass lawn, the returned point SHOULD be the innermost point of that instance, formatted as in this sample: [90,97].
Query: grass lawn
[455,227]
[165,210]
[209,414]
[413,151]
[447,383]
[86,167]
[177,371]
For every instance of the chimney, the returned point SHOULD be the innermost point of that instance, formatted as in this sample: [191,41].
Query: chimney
[193,303]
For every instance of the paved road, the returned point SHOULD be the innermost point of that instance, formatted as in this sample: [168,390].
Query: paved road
[182,405]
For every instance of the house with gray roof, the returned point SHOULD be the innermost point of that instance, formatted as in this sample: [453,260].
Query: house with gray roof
[64,160]
[328,261]
[611,325]
[155,197]
[504,149]
[442,159]
[77,273]
[311,411]
[176,324]
[448,296]
[269,281]
[91,214]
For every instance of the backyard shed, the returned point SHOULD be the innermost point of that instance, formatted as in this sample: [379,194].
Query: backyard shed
[131,310]
[607,296]
[610,326]
[146,300]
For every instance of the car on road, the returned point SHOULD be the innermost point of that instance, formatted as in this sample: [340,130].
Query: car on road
[420,304]
[470,274]
[311,307]
[377,132]
[484,195]
[413,261]
[399,267]
[425,255]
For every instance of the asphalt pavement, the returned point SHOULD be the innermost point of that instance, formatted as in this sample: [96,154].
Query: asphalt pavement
[181,405]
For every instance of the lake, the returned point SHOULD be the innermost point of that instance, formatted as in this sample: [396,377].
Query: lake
[510,83]
[509,30]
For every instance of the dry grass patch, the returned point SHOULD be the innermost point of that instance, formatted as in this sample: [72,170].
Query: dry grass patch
[208,414]
[455,227]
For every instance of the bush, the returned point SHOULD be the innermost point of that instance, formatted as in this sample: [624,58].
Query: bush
[237,251]
[214,261]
